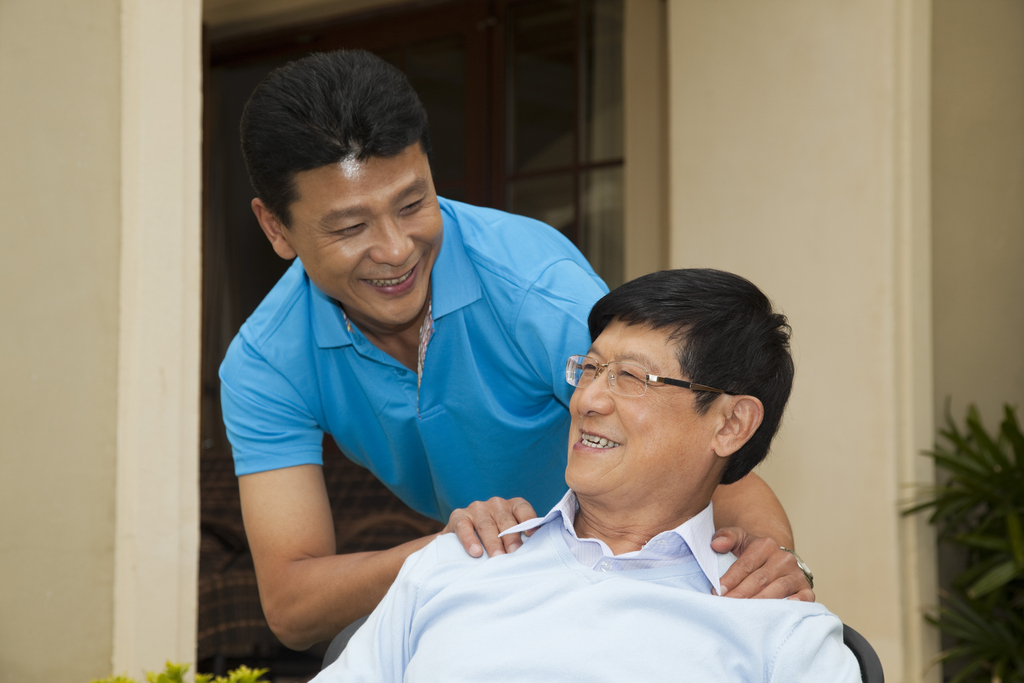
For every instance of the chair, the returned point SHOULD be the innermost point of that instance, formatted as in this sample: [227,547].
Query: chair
[870,665]
[340,641]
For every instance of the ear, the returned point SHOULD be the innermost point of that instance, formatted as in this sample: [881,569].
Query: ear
[741,416]
[274,229]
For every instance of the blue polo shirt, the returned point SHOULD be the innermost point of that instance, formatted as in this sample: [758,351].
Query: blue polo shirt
[490,418]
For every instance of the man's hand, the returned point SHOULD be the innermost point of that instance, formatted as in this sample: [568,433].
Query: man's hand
[478,525]
[762,569]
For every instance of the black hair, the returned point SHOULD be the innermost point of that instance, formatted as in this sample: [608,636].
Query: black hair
[322,109]
[729,337]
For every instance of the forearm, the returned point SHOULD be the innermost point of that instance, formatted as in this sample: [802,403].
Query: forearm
[751,505]
[308,592]
[311,600]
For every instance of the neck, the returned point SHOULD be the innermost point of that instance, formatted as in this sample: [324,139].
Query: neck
[627,521]
[626,531]
[401,343]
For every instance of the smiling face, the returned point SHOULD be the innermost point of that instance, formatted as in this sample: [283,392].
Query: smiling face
[652,454]
[368,233]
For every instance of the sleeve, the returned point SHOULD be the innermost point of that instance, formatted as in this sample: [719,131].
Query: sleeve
[814,651]
[268,424]
[551,322]
[381,649]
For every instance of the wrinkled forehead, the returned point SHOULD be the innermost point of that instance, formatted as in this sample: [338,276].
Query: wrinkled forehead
[653,348]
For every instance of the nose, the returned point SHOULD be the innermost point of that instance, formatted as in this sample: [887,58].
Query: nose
[393,246]
[594,397]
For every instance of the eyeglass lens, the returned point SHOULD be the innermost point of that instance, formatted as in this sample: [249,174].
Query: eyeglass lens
[626,379]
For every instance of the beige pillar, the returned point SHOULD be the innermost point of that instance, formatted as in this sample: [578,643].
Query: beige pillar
[158,363]
[799,134]
[59,175]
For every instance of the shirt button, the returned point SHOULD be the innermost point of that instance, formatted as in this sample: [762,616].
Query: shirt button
[605,566]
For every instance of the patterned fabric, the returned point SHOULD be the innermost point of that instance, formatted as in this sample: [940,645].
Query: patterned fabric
[426,332]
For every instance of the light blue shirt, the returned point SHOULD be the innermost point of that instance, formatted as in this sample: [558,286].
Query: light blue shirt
[540,615]
[510,299]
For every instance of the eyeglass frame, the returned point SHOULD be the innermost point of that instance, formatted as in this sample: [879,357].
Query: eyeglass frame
[692,386]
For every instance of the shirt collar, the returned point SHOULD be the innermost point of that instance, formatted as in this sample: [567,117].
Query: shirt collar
[454,280]
[454,285]
[696,532]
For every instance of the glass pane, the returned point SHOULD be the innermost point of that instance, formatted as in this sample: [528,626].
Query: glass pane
[436,70]
[602,223]
[548,199]
[540,111]
[602,80]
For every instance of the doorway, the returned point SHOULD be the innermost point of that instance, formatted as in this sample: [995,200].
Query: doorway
[524,99]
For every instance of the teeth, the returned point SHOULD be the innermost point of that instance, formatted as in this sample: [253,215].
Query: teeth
[598,441]
[390,283]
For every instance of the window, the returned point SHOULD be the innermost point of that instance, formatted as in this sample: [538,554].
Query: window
[563,123]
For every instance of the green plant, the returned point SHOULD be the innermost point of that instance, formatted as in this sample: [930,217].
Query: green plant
[175,673]
[979,509]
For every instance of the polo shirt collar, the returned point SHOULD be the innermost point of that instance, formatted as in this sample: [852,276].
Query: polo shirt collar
[454,285]
[454,280]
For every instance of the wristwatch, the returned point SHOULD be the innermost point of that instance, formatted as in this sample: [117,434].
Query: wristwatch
[803,565]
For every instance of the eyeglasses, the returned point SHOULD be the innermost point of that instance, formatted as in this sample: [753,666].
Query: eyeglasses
[625,379]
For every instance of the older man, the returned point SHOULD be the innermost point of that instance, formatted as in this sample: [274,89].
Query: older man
[682,389]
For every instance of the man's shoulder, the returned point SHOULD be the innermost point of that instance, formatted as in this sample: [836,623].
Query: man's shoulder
[277,330]
[437,565]
[444,563]
[285,307]
[510,250]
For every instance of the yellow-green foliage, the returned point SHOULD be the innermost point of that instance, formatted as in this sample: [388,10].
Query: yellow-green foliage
[175,673]
[242,674]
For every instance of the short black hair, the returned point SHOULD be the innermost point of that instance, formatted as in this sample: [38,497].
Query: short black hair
[729,337]
[321,109]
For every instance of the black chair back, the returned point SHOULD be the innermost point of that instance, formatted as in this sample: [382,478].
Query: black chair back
[870,664]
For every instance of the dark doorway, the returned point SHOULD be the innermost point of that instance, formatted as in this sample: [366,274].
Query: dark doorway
[524,99]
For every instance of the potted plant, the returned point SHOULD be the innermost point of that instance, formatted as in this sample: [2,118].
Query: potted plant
[979,508]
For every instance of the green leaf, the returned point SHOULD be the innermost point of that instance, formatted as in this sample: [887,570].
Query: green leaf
[1016,538]
[987,448]
[998,576]
[1011,430]
[244,674]
[966,671]
[976,540]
